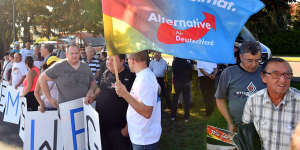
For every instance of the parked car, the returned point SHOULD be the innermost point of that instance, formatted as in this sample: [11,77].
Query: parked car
[246,35]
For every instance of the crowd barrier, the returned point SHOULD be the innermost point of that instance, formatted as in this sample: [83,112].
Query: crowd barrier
[75,127]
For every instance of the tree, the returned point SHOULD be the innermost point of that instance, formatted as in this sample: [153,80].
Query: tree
[6,25]
[274,17]
[48,18]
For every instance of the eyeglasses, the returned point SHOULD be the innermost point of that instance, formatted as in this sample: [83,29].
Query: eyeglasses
[252,60]
[277,74]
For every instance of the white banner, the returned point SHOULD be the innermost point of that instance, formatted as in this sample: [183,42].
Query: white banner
[13,104]
[71,114]
[92,126]
[3,92]
[42,131]
[22,118]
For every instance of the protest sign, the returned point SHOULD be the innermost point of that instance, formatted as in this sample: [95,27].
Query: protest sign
[42,131]
[22,119]
[91,124]
[72,119]
[13,104]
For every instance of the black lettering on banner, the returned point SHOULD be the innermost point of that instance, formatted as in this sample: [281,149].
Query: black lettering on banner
[46,144]
[88,118]
[23,115]
[1,95]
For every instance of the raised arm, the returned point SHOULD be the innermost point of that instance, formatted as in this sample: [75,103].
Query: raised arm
[37,95]
[137,105]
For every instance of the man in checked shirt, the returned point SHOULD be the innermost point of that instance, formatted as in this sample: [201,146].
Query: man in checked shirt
[275,110]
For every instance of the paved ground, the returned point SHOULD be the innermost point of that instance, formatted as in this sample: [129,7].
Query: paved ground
[296,70]
[9,136]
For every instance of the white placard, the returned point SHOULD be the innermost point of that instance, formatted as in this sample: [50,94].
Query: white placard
[91,124]
[42,131]
[71,115]
[22,119]
[13,105]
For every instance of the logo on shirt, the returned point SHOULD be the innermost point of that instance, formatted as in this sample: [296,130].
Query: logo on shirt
[251,87]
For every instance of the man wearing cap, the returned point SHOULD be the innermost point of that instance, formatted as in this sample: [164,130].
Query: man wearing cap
[73,78]
[16,48]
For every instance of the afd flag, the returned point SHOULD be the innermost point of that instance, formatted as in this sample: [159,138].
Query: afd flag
[193,29]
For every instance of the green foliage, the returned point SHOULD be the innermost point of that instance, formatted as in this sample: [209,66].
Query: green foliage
[283,43]
[178,135]
[274,17]
[52,38]
[6,36]
[49,18]
[41,39]
[274,27]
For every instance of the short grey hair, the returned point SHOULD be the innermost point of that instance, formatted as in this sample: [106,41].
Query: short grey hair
[252,47]
[90,48]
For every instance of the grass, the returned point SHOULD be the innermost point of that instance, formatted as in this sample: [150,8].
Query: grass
[178,135]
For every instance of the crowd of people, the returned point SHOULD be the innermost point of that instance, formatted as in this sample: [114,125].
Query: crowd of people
[130,105]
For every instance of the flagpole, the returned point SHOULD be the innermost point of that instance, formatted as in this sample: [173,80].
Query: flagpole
[116,68]
[108,31]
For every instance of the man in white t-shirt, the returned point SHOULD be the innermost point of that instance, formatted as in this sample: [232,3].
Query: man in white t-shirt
[144,110]
[26,51]
[18,72]
[206,73]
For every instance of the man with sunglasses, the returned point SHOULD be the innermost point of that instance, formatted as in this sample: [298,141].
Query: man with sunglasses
[238,82]
[275,110]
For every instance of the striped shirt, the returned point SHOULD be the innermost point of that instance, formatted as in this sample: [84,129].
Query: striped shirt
[94,65]
[274,124]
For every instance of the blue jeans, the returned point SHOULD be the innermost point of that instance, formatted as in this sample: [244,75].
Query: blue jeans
[145,147]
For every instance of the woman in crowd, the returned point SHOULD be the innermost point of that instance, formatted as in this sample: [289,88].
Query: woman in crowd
[30,83]
[46,104]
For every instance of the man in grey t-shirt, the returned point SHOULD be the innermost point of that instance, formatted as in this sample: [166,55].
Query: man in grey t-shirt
[238,82]
[73,78]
